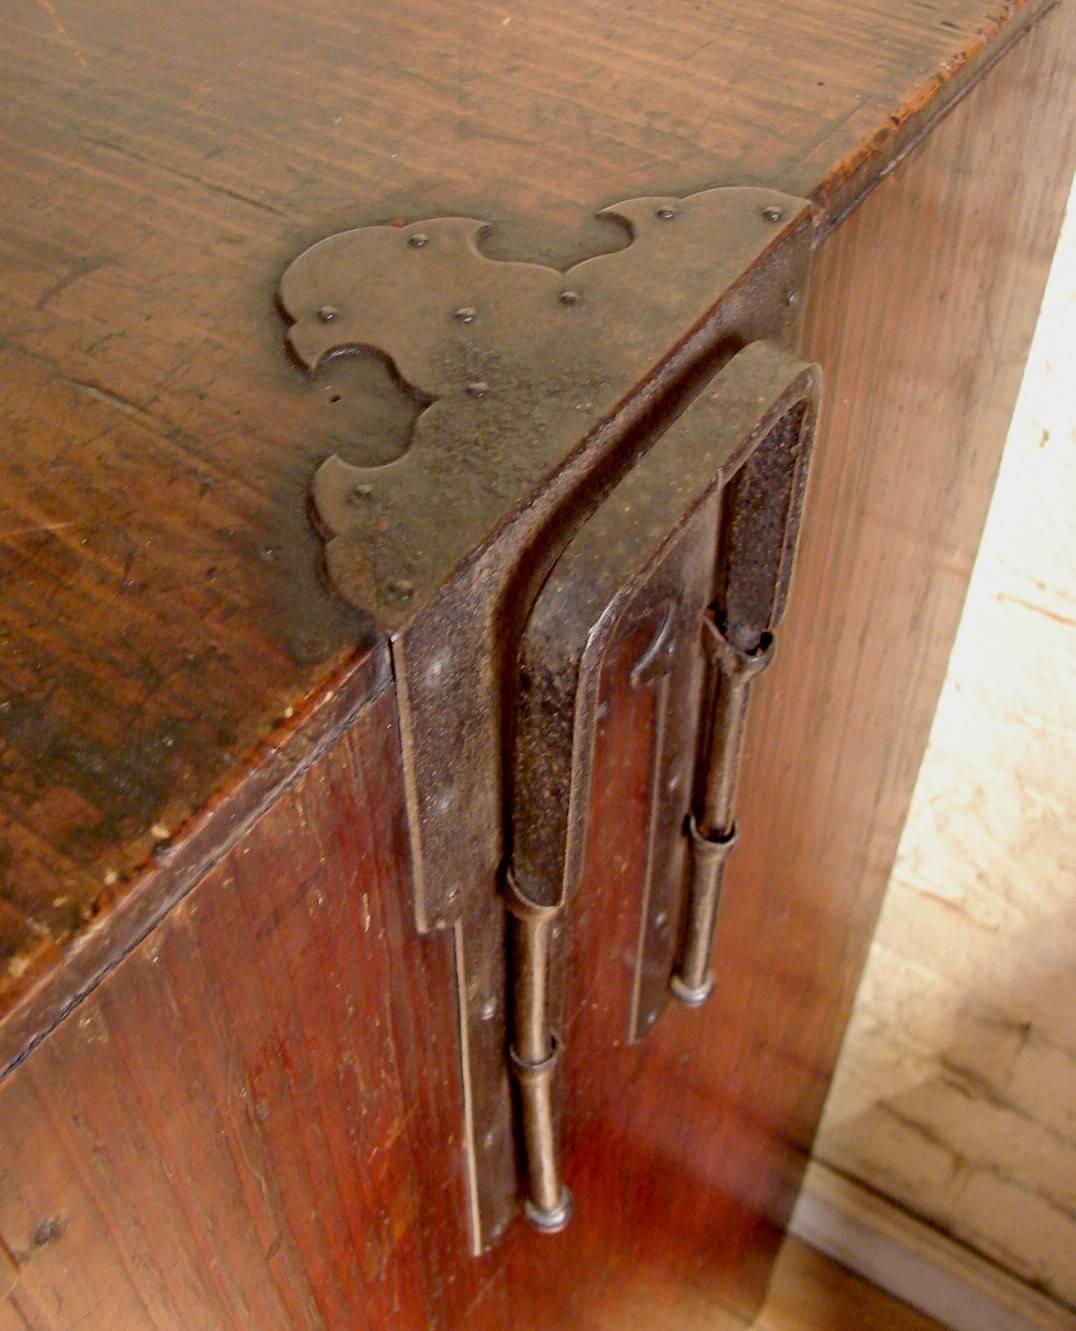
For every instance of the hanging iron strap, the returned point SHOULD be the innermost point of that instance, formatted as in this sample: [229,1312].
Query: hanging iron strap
[583,461]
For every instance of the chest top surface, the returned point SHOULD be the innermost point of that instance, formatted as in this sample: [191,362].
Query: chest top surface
[164,611]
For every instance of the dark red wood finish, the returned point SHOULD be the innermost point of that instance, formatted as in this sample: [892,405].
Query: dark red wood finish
[254,1119]
[162,608]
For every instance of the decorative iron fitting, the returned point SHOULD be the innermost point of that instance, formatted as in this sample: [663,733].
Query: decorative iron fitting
[640,553]
[758,545]
[586,422]
[712,833]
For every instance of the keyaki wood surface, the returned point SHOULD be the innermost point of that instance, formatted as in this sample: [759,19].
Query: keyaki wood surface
[164,624]
[255,1119]
[956,1083]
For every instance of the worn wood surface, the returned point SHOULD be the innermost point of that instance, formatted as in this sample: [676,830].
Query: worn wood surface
[163,610]
[249,1124]
[955,1095]
[255,1118]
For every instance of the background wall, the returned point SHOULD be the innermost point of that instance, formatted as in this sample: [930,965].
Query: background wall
[955,1097]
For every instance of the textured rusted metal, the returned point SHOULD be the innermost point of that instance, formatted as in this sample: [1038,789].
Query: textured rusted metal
[532,393]
[759,531]
[614,559]
[513,377]
[735,669]
[634,553]
[675,694]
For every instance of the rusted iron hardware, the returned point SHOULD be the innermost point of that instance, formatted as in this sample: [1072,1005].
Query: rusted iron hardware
[713,833]
[609,453]
[640,552]
[761,524]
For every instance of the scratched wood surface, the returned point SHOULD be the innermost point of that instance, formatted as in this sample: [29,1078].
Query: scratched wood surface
[249,1124]
[163,611]
[254,1119]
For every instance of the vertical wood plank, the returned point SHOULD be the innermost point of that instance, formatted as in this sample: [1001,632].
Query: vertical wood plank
[254,1121]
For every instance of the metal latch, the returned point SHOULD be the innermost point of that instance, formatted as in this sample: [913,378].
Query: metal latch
[617,449]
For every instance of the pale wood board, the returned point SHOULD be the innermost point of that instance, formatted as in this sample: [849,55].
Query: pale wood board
[904,1255]
[809,1292]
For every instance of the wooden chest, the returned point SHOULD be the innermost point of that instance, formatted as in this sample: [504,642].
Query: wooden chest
[405,417]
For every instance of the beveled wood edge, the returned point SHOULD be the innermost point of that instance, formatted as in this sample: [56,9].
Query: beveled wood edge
[57,985]
[177,867]
[844,188]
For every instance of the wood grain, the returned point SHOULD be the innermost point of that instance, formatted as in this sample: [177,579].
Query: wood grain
[249,1123]
[703,1129]
[254,1118]
[956,1091]
[163,606]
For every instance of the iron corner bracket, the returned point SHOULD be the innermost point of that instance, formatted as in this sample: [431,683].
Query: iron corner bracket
[617,448]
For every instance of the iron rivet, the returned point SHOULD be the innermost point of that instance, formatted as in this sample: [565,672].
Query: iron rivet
[477,388]
[666,213]
[569,297]
[773,213]
[465,315]
[418,240]
[328,313]
[651,1017]
[401,589]
[361,491]
[792,298]
[489,1009]
[489,1139]
[661,919]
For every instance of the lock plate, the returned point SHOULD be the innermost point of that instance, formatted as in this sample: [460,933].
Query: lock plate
[535,392]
